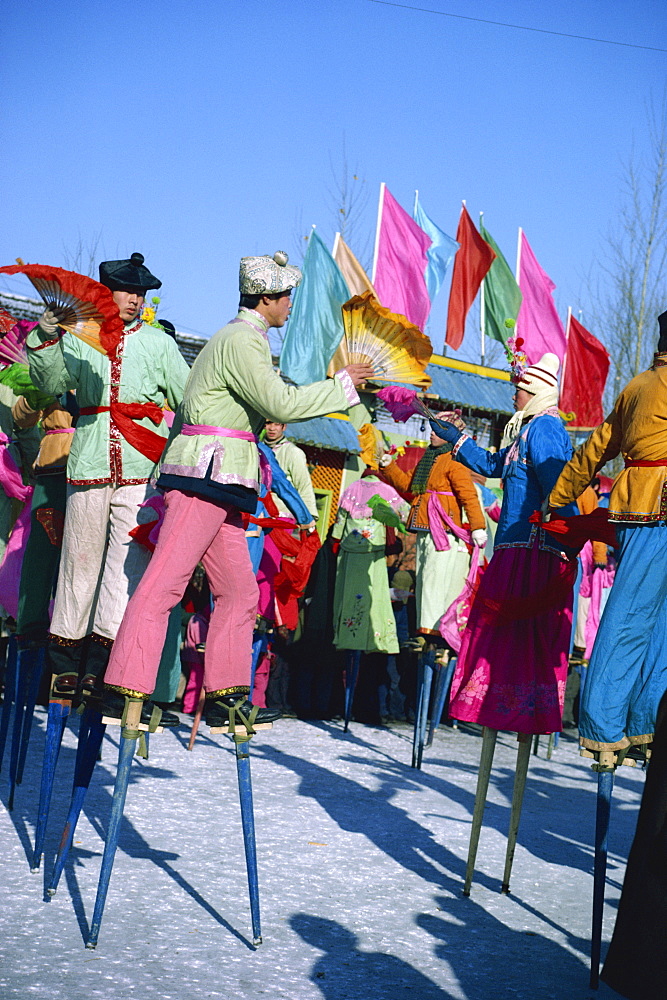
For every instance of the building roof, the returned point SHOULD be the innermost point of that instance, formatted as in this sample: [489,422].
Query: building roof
[334,432]
[475,386]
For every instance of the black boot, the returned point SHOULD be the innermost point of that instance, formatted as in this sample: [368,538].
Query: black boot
[218,708]
[93,665]
[113,706]
[63,658]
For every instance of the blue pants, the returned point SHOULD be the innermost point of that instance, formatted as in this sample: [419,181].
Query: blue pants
[627,673]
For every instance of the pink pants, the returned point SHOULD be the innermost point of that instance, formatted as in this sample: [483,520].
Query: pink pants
[194,530]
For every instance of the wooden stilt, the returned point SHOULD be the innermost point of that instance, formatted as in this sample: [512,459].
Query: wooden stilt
[536,744]
[248,822]
[59,710]
[352,661]
[129,737]
[10,692]
[22,681]
[489,737]
[91,734]
[36,666]
[522,759]
[424,682]
[443,681]
[605,771]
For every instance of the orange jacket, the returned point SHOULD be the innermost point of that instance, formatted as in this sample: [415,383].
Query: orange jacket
[448,478]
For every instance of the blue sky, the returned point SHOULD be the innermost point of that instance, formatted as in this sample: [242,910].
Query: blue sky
[198,132]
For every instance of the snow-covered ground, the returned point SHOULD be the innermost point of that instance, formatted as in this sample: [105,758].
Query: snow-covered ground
[361,862]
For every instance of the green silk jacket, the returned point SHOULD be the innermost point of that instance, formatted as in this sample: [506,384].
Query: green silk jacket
[148,367]
[233,385]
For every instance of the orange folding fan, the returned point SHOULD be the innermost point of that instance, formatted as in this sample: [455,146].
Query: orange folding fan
[84,307]
[396,348]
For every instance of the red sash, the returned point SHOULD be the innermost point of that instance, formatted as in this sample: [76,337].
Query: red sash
[123,416]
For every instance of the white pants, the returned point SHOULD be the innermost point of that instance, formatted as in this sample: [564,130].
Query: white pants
[439,578]
[100,565]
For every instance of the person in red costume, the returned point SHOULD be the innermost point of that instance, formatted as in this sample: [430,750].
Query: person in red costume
[113,454]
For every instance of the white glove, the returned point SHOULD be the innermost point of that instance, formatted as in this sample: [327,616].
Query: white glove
[479,538]
[48,322]
[386,460]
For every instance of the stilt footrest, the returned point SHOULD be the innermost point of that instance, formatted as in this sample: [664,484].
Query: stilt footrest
[238,730]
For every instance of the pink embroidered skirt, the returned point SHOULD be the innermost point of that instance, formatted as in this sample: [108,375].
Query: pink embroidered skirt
[512,668]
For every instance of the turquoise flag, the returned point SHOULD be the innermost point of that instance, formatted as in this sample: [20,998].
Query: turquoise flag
[440,253]
[315,326]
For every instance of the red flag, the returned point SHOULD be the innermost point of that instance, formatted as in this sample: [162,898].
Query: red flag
[473,259]
[586,367]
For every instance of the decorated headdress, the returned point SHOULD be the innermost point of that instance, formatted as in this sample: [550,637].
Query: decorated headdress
[518,361]
[130,275]
[267,275]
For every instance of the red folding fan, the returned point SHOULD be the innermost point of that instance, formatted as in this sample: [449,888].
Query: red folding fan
[7,321]
[83,306]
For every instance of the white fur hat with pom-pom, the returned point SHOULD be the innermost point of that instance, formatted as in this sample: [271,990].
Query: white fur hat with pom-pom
[267,275]
[544,374]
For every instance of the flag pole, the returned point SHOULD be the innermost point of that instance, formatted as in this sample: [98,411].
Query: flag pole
[482,310]
[414,207]
[377,231]
[335,245]
[517,271]
[567,344]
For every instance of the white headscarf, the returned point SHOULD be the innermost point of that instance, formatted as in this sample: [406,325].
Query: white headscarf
[541,381]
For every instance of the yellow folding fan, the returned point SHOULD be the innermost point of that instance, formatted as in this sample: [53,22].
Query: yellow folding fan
[397,349]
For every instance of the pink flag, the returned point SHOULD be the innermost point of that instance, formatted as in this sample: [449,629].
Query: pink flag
[400,262]
[538,321]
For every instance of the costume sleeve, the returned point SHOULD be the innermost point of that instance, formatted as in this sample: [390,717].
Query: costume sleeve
[339,524]
[464,490]
[249,373]
[298,467]
[487,463]
[396,477]
[54,363]
[175,374]
[548,448]
[599,553]
[23,415]
[603,445]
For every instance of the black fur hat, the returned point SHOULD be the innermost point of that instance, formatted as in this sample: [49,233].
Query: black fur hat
[128,275]
[662,339]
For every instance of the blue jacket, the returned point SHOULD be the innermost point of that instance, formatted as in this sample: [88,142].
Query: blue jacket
[529,470]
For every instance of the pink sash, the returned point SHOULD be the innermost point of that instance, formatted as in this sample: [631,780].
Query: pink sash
[228,432]
[439,520]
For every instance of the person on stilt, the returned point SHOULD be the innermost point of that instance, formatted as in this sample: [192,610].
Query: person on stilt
[512,667]
[627,671]
[441,491]
[210,474]
[120,434]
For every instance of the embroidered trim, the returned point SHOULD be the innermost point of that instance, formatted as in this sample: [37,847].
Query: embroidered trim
[107,482]
[351,393]
[60,640]
[128,692]
[225,692]
[459,444]
[46,343]
[115,445]
[259,326]
[640,518]
[626,741]
[101,640]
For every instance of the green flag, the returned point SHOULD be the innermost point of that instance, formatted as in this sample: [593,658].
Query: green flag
[502,296]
